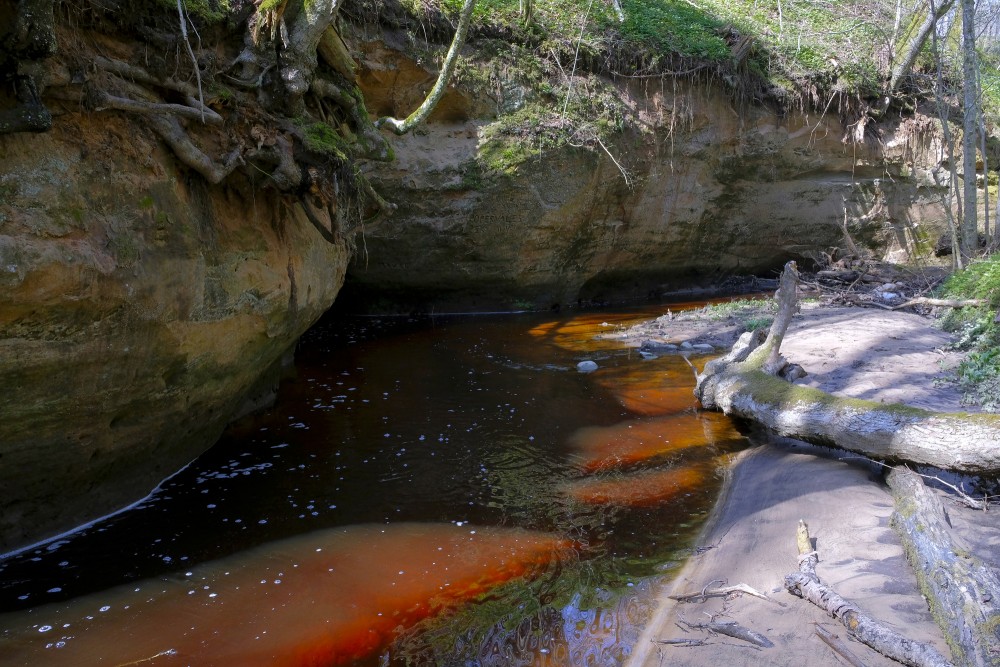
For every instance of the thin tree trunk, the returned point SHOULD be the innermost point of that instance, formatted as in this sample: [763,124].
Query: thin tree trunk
[437,92]
[969,241]
[942,109]
[904,66]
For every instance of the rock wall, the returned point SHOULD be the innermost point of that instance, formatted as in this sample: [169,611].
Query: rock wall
[711,191]
[140,311]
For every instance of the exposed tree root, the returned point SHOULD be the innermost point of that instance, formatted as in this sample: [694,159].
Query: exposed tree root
[203,114]
[177,138]
[371,143]
[137,74]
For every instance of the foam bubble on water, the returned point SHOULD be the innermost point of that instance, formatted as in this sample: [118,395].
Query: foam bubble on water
[45,628]
[55,590]
[105,608]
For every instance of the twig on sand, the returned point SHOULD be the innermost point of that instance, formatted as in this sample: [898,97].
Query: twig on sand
[838,645]
[681,642]
[734,630]
[724,591]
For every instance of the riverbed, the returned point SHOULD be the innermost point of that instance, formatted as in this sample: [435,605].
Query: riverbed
[396,436]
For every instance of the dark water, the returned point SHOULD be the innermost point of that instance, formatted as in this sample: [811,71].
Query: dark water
[454,424]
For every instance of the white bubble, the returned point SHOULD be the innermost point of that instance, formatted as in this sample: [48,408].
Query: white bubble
[45,628]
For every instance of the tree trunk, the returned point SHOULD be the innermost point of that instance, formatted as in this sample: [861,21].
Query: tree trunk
[961,590]
[743,384]
[437,92]
[969,241]
[957,262]
[916,44]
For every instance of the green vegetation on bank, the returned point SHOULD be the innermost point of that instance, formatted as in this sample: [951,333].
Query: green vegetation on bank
[550,71]
[794,45]
[978,330]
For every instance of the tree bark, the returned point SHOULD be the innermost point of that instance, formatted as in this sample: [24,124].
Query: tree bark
[743,384]
[962,591]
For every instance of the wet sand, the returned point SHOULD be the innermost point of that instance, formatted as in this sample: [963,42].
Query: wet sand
[872,354]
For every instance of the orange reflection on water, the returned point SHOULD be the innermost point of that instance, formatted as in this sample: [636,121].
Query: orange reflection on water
[633,441]
[639,489]
[580,332]
[652,388]
[322,599]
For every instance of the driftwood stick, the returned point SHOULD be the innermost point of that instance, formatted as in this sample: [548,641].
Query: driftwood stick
[681,642]
[806,585]
[838,645]
[963,592]
[734,630]
[950,303]
[725,591]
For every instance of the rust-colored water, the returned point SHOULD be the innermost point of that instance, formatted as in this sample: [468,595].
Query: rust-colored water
[325,598]
[636,489]
[426,430]
[633,441]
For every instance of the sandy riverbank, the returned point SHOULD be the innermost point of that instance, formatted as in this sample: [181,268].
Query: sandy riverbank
[873,354]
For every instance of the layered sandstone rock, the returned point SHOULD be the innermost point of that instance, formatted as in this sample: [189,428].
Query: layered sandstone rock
[140,311]
[712,191]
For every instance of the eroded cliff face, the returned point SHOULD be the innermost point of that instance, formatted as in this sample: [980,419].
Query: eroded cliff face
[709,191]
[140,311]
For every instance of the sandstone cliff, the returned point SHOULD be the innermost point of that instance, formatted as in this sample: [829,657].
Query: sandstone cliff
[695,189]
[140,311]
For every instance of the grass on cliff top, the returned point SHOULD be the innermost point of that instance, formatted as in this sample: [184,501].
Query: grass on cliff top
[978,331]
[832,44]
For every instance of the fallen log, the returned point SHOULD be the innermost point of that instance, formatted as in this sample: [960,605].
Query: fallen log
[744,384]
[806,585]
[963,592]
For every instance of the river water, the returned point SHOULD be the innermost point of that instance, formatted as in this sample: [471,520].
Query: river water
[446,491]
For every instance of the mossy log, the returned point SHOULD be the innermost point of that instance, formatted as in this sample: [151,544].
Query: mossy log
[745,384]
[963,592]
